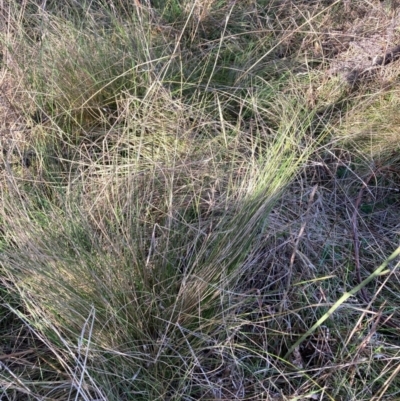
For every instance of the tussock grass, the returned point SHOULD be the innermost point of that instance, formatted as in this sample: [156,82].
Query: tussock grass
[194,206]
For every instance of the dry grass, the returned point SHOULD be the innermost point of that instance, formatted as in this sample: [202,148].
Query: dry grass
[198,200]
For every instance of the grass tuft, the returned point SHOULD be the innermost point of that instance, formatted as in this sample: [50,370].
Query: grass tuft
[199,200]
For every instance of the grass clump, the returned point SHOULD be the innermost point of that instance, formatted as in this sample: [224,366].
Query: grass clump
[188,199]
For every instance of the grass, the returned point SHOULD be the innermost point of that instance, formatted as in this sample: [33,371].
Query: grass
[193,206]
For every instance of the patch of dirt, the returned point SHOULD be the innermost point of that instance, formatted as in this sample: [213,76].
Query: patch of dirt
[369,47]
